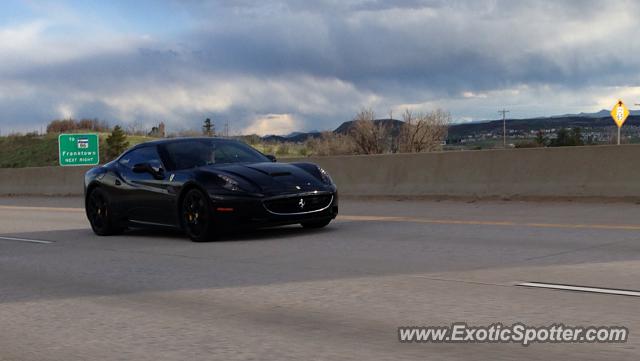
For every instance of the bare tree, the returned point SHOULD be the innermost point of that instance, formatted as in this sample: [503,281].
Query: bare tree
[370,137]
[423,132]
[136,128]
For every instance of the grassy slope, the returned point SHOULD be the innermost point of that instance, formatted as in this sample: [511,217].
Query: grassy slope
[38,151]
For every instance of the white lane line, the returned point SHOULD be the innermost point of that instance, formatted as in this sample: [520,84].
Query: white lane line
[555,286]
[25,240]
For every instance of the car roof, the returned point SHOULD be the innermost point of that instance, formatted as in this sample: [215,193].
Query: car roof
[179,139]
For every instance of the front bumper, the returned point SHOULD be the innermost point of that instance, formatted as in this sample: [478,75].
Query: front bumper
[239,211]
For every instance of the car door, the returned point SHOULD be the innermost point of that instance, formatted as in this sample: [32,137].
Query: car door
[145,193]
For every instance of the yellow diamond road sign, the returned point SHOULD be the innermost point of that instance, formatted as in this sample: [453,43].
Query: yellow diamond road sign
[619,113]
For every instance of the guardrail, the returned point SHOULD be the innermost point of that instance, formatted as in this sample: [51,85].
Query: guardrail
[597,171]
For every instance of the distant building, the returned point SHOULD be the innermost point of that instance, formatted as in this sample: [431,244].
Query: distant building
[158,131]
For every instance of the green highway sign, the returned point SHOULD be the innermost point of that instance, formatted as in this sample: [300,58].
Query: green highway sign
[78,149]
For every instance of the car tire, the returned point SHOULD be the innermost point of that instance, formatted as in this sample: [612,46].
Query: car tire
[197,217]
[100,214]
[316,224]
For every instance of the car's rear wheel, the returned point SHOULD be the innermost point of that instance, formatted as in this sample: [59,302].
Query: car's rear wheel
[100,214]
[316,224]
[197,218]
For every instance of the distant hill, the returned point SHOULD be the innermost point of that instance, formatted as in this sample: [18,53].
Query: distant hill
[394,124]
[600,119]
[600,114]
[462,130]
[343,129]
[293,137]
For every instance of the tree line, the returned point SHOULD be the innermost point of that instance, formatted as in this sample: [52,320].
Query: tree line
[418,132]
[563,138]
[71,125]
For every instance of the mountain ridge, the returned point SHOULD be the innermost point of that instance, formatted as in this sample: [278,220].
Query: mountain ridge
[600,119]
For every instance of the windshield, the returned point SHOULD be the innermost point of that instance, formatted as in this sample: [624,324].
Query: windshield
[192,153]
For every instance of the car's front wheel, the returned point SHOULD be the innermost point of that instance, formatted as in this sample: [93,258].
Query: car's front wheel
[196,216]
[100,215]
[316,224]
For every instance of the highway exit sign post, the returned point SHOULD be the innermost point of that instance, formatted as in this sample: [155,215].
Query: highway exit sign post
[78,149]
[619,113]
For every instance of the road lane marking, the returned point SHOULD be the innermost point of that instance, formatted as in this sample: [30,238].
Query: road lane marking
[556,286]
[24,240]
[467,281]
[47,209]
[488,223]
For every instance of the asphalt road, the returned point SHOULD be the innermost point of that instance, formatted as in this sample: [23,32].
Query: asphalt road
[334,294]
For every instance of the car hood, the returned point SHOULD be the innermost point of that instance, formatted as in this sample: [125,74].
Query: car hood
[271,178]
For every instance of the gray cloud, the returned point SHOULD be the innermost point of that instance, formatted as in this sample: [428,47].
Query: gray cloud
[318,62]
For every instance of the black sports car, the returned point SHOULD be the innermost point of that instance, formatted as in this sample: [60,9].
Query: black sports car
[204,186]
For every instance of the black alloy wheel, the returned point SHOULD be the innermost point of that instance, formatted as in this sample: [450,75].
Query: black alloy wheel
[100,214]
[196,216]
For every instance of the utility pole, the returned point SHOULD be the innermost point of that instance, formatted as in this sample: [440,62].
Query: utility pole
[504,127]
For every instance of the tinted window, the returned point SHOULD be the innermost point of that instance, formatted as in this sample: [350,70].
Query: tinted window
[141,155]
[188,154]
[232,152]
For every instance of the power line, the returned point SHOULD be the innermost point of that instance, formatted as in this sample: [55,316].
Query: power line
[504,126]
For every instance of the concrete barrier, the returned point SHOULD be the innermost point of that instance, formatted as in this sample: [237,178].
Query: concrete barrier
[602,171]
[42,181]
[596,171]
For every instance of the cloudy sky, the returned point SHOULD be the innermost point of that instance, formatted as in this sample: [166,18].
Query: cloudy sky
[272,67]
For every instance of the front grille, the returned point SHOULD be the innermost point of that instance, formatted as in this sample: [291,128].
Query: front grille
[297,205]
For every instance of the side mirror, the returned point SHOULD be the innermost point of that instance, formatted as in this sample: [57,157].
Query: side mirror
[157,172]
[272,157]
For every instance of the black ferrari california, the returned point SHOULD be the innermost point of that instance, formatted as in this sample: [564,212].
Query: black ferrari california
[204,186]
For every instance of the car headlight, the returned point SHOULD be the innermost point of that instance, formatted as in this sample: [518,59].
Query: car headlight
[236,185]
[229,183]
[326,178]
